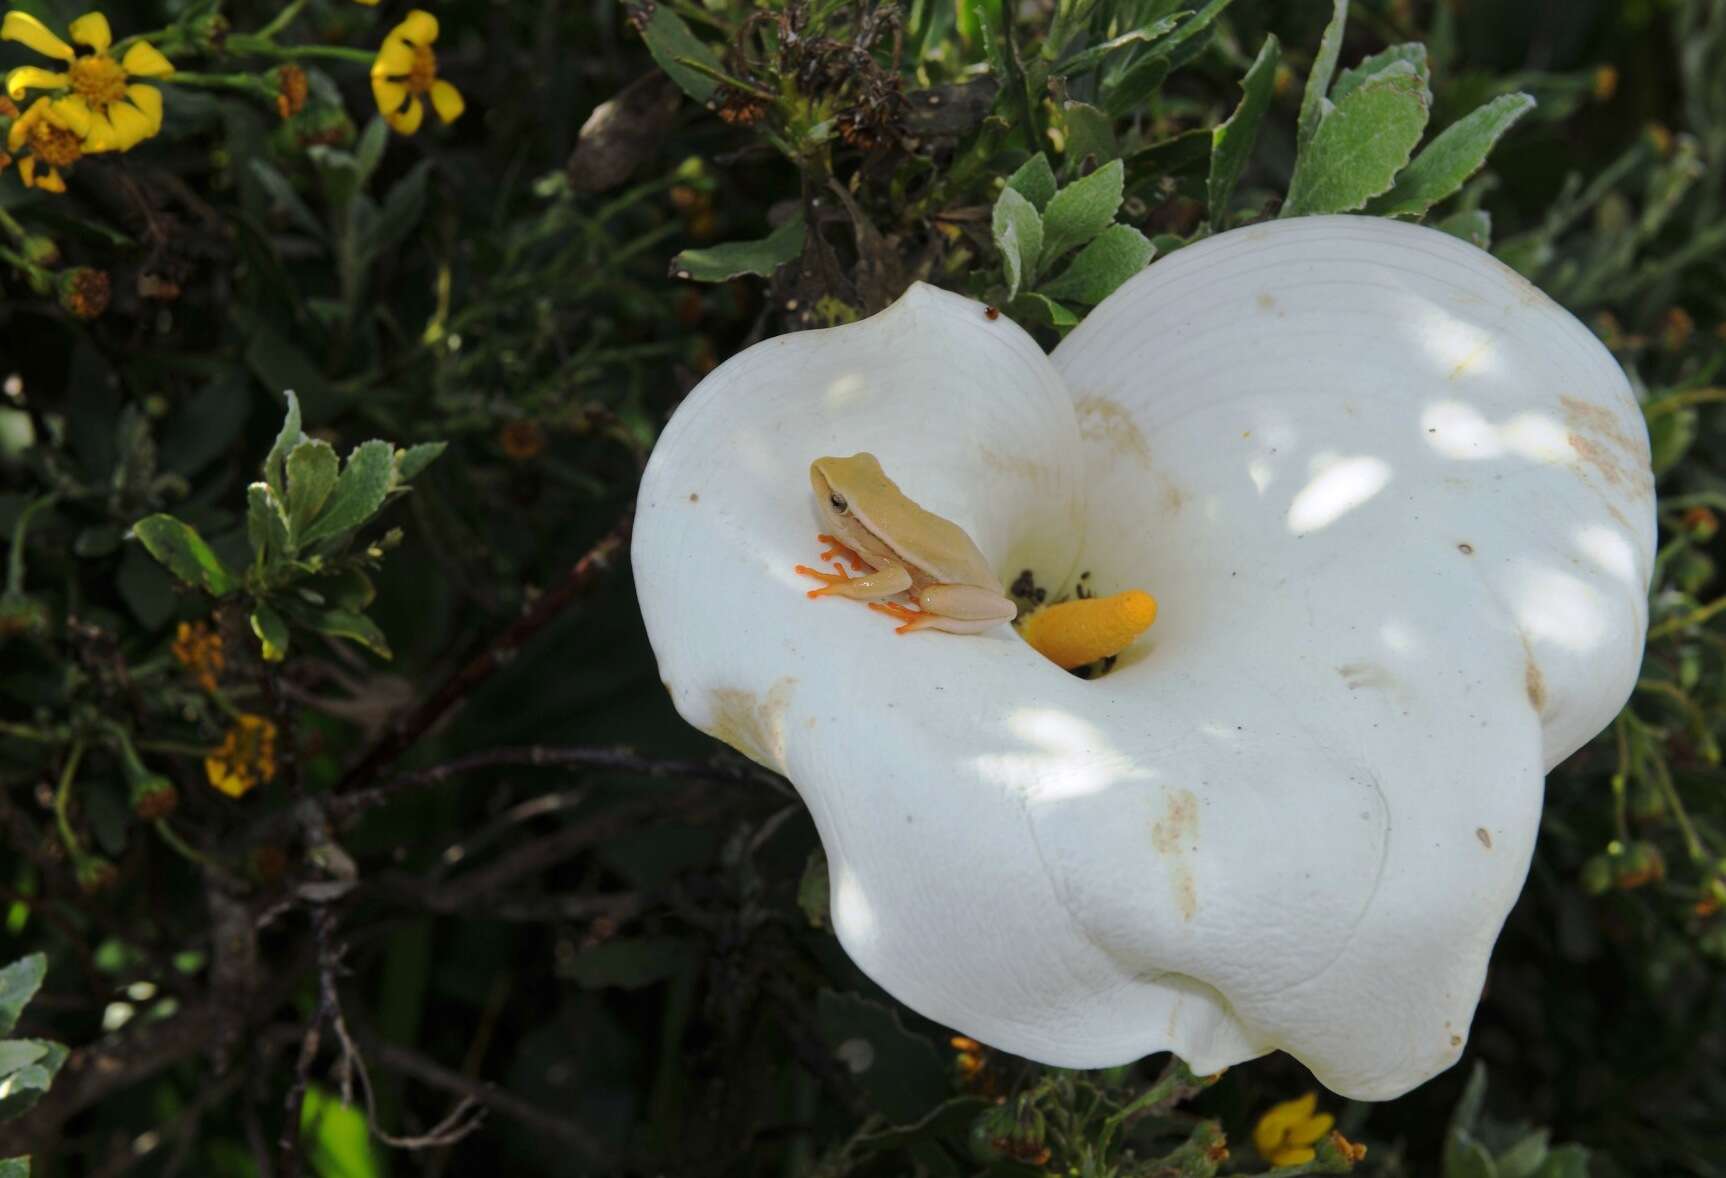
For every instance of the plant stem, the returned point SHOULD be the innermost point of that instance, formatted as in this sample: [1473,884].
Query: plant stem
[1694,618]
[282,20]
[1675,401]
[63,799]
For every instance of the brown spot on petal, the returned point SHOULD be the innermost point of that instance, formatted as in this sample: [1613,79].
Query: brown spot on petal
[1533,682]
[1174,836]
[754,727]
[1617,457]
[1485,837]
[1102,420]
[1456,1040]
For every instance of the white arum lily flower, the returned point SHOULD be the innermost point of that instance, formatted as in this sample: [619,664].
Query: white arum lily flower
[1397,509]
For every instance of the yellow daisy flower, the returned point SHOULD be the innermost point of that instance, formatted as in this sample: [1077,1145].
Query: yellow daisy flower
[51,142]
[1286,1134]
[246,756]
[100,100]
[405,72]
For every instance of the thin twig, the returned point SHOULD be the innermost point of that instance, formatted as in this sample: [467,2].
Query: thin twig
[584,757]
[418,1067]
[582,576]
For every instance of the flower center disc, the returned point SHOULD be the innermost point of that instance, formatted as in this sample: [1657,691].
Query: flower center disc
[423,72]
[53,144]
[98,79]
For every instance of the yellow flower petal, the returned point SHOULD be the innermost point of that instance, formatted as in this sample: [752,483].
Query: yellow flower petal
[447,101]
[102,135]
[31,77]
[394,59]
[92,29]
[149,100]
[389,95]
[420,27]
[146,61]
[24,28]
[27,171]
[1291,1157]
[50,181]
[1311,1130]
[407,121]
[76,114]
[369,3]
[131,125]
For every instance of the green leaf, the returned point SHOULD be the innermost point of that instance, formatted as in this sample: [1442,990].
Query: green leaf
[1525,1158]
[312,469]
[1455,154]
[1135,87]
[1670,437]
[1567,1161]
[670,41]
[369,151]
[722,263]
[1467,1111]
[1232,141]
[20,1091]
[402,210]
[18,984]
[290,436]
[272,632]
[1349,80]
[185,554]
[1361,145]
[1081,210]
[18,1053]
[1312,100]
[1035,181]
[358,494]
[285,199]
[412,461]
[1112,257]
[1090,135]
[341,623]
[1472,225]
[266,524]
[1018,234]
[338,1141]
[629,963]
[1089,59]
[1464,1157]
[1031,307]
[349,589]
[14,1168]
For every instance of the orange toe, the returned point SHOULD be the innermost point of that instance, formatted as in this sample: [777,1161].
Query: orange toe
[837,547]
[914,619]
[828,580]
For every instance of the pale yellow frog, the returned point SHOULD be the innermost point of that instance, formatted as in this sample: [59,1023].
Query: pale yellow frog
[907,550]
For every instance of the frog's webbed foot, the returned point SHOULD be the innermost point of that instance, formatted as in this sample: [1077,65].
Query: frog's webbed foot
[830,582]
[914,619]
[837,547]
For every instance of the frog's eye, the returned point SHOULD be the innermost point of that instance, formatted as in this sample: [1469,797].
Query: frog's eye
[838,502]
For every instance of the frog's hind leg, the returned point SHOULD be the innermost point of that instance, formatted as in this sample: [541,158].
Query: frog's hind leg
[922,619]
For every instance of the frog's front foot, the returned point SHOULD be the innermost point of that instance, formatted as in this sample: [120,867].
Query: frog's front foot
[830,582]
[837,547]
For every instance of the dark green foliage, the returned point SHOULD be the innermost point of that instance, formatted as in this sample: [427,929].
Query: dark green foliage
[476,860]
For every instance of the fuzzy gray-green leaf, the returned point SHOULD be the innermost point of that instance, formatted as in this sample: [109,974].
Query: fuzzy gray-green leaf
[271,631]
[1472,225]
[1035,181]
[1112,257]
[18,984]
[286,440]
[1312,101]
[312,470]
[670,41]
[1455,154]
[178,546]
[1018,232]
[1081,210]
[412,461]
[722,263]
[341,623]
[1349,80]
[1232,141]
[358,494]
[1361,145]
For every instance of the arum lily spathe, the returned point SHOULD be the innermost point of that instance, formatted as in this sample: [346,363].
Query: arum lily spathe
[1396,508]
